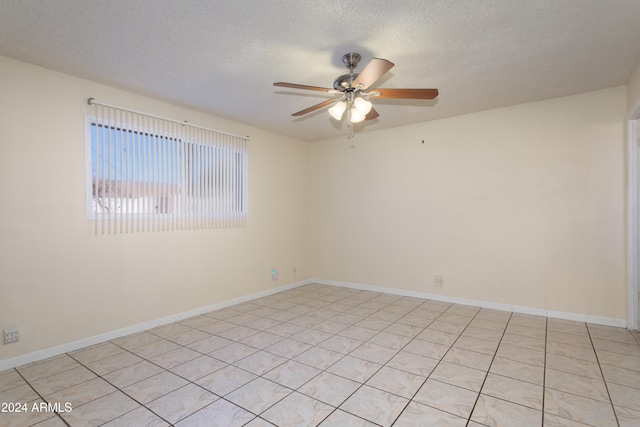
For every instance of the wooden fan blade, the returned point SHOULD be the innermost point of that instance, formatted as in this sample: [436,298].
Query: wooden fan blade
[372,72]
[305,87]
[314,107]
[405,93]
[373,114]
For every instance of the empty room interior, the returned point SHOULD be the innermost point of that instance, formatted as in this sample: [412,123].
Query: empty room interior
[338,213]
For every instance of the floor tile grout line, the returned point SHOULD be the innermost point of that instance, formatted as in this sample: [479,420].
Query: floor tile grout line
[323,371]
[338,407]
[544,370]
[198,385]
[262,375]
[40,396]
[193,413]
[473,408]
[398,351]
[171,372]
[383,365]
[437,364]
[313,309]
[571,373]
[415,337]
[121,389]
[615,414]
[618,342]
[361,384]
[543,380]
[82,364]
[546,321]
[494,354]
[452,346]
[66,370]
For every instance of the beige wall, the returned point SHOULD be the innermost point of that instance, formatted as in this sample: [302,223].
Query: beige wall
[60,283]
[633,89]
[521,206]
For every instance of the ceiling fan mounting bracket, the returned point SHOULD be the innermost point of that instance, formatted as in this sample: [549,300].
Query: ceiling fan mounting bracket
[351,60]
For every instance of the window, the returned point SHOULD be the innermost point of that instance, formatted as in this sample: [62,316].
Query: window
[149,174]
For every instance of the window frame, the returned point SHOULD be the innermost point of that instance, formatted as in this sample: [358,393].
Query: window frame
[240,170]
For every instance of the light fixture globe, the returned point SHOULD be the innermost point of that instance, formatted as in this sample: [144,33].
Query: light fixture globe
[338,110]
[356,116]
[362,105]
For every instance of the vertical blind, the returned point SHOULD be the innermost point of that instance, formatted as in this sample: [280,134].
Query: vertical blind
[149,173]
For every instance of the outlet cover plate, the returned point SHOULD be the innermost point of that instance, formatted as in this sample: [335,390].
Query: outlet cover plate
[11,335]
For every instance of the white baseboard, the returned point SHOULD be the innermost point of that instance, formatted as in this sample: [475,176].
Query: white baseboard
[107,336]
[607,321]
[97,339]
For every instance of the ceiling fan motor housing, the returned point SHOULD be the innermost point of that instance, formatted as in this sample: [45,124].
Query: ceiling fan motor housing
[351,61]
[344,82]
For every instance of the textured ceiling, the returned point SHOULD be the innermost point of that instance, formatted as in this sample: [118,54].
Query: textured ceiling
[222,57]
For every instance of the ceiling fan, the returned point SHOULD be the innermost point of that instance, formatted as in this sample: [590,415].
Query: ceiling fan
[355,90]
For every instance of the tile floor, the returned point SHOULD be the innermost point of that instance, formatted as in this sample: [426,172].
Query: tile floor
[328,356]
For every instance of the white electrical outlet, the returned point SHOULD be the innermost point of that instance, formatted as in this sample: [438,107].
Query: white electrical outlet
[437,280]
[274,274]
[11,335]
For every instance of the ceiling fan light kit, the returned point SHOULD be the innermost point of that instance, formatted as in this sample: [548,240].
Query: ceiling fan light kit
[356,105]
[353,89]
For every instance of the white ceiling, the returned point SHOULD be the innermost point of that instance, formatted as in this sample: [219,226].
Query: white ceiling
[222,56]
